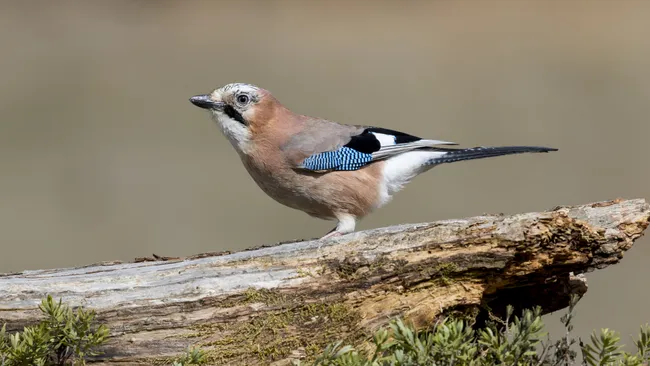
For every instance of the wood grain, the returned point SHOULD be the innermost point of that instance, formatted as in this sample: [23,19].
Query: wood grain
[274,303]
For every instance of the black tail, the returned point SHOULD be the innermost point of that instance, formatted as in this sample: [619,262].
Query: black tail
[454,155]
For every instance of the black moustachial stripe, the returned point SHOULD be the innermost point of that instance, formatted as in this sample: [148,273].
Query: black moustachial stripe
[232,113]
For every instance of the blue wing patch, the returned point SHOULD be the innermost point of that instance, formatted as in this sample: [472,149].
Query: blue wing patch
[344,158]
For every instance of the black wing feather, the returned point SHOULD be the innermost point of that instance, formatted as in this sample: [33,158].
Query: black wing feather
[366,142]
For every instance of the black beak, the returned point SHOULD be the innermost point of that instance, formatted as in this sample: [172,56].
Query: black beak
[204,101]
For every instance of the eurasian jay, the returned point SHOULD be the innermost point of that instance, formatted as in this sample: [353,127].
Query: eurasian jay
[329,170]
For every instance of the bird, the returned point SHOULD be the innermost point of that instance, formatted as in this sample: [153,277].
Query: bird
[329,170]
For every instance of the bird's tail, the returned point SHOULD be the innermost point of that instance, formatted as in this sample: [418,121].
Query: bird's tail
[454,155]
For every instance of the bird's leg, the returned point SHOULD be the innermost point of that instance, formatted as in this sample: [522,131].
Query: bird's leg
[346,225]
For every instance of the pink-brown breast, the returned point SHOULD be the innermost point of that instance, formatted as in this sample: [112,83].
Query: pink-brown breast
[323,195]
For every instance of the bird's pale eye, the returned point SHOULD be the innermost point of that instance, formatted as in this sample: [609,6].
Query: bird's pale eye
[243,99]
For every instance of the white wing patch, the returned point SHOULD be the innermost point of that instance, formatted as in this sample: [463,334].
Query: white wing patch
[438,142]
[384,140]
[390,150]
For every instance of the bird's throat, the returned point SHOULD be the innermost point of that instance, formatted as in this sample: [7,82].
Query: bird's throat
[234,114]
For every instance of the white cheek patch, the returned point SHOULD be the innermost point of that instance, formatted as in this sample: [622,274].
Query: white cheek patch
[238,134]
[384,140]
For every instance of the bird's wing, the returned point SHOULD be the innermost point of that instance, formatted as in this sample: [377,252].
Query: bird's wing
[343,147]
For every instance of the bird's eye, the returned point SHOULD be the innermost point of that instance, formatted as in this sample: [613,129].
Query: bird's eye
[243,99]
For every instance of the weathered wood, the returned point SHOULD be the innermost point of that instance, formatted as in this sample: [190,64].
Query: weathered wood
[273,303]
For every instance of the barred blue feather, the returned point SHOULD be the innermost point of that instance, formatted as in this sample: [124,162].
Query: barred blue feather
[344,158]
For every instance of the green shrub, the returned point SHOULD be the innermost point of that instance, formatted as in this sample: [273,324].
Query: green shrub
[63,337]
[514,341]
[193,356]
[67,337]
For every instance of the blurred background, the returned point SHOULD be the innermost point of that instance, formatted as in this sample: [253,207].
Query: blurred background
[102,157]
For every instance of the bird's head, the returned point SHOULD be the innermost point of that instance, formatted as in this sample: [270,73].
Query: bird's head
[239,109]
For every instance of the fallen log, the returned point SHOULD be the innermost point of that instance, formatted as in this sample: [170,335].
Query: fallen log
[271,304]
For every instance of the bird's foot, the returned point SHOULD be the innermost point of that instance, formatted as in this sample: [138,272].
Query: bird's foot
[331,234]
[345,226]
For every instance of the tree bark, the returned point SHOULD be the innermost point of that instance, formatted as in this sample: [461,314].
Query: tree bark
[270,304]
